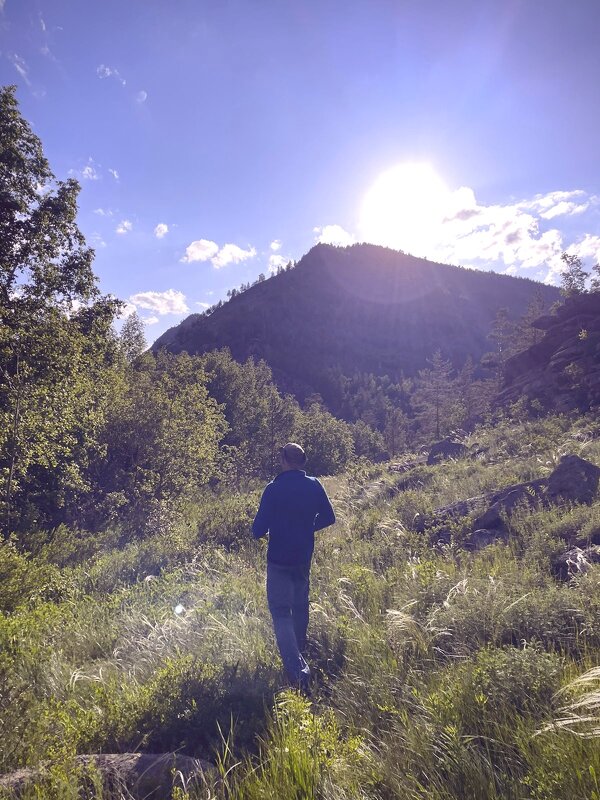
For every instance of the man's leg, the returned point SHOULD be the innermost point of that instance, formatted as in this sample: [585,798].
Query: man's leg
[280,596]
[300,604]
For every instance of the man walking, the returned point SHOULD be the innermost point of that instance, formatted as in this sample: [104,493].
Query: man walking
[293,506]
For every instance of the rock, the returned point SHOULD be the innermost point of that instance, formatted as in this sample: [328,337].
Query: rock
[483,538]
[576,561]
[136,775]
[447,448]
[575,480]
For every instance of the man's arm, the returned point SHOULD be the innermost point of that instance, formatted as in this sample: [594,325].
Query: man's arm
[262,520]
[325,516]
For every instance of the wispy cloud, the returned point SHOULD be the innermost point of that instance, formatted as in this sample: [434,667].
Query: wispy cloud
[114,173]
[161,230]
[124,226]
[88,173]
[168,302]
[21,67]
[103,212]
[333,234]
[150,320]
[141,97]
[104,71]
[275,245]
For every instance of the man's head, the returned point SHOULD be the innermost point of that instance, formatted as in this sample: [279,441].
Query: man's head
[292,456]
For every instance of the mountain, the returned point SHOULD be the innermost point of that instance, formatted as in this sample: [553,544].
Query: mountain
[357,309]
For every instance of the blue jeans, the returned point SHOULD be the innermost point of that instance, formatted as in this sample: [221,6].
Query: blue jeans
[287,595]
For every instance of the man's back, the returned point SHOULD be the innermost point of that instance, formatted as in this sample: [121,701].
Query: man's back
[292,508]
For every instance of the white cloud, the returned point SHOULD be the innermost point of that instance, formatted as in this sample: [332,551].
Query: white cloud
[231,254]
[127,310]
[102,71]
[453,227]
[200,250]
[276,261]
[114,173]
[88,173]
[2,2]
[161,230]
[141,97]
[276,245]
[206,250]
[333,234]
[103,212]
[150,320]
[203,305]
[169,302]
[124,226]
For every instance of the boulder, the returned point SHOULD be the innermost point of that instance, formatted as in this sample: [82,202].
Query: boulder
[135,775]
[483,538]
[447,448]
[576,561]
[574,480]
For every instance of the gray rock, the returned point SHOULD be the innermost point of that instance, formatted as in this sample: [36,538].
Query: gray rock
[447,448]
[575,480]
[576,561]
[483,538]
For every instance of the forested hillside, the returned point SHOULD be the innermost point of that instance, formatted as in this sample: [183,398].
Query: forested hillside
[342,312]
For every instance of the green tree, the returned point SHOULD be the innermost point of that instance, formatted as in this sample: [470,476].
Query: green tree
[55,335]
[526,334]
[435,396]
[328,441]
[395,432]
[162,437]
[595,282]
[573,276]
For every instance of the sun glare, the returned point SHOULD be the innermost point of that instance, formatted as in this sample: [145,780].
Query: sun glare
[405,208]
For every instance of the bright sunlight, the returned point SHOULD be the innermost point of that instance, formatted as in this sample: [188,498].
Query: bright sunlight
[405,208]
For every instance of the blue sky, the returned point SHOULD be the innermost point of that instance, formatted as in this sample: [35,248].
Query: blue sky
[214,139]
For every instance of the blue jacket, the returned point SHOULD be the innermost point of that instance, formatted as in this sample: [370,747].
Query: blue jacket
[292,508]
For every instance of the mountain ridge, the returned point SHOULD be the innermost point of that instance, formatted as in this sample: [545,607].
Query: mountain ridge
[357,309]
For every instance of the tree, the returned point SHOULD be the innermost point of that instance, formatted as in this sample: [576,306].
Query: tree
[328,441]
[162,436]
[526,334]
[573,276]
[132,340]
[435,396]
[55,327]
[595,283]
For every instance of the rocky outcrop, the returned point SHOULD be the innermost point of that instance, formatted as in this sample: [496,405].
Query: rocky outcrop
[135,775]
[574,480]
[450,447]
[562,371]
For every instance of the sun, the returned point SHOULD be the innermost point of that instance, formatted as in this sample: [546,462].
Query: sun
[405,208]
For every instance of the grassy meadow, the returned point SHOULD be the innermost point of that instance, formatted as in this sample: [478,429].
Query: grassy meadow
[439,673]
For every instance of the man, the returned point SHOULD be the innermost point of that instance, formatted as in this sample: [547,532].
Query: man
[292,508]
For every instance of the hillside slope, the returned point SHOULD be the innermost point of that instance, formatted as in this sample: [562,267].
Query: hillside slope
[357,309]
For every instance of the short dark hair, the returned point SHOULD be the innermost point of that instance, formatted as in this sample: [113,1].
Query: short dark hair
[293,454]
